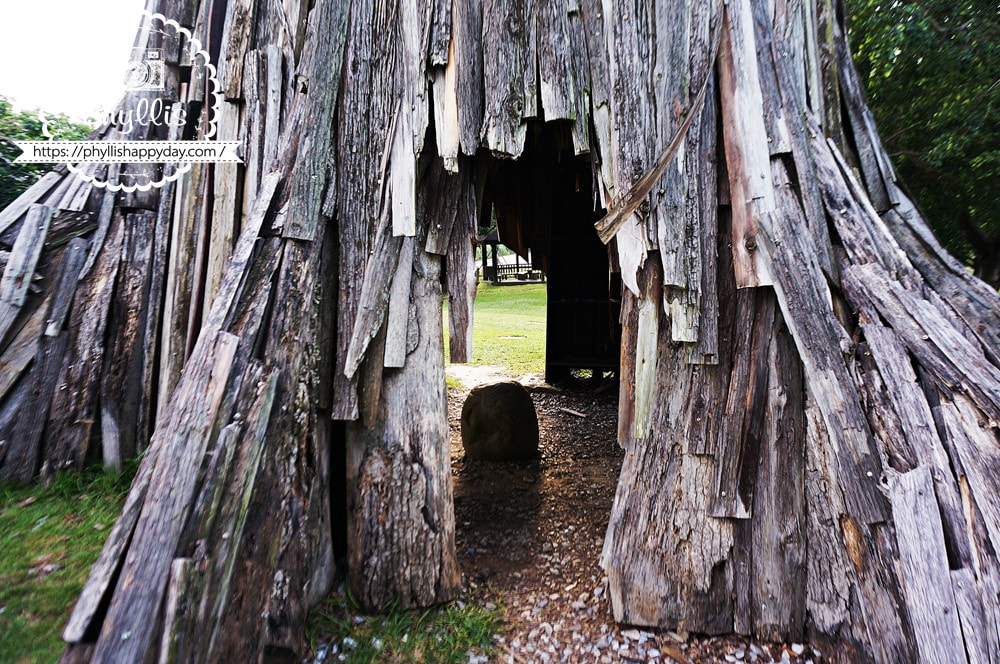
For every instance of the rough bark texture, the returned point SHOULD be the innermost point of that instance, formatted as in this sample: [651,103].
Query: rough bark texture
[810,385]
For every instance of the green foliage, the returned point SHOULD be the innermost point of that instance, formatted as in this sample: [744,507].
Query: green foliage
[444,634]
[932,71]
[508,328]
[49,538]
[25,126]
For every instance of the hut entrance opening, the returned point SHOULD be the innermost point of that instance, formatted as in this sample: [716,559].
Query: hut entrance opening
[528,529]
[545,209]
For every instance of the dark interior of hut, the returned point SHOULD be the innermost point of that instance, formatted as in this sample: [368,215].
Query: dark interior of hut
[545,202]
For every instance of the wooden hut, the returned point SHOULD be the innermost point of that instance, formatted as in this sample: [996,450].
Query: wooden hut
[810,384]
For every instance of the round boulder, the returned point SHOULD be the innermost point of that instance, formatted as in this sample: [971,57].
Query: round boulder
[499,423]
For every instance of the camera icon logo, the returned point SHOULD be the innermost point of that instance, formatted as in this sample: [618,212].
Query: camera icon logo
[145,70]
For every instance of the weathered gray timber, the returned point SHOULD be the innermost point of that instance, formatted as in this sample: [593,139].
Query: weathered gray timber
[809,384]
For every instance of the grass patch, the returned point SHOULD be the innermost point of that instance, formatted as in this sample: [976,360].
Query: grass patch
[446,634]
[508,328]
[49,538]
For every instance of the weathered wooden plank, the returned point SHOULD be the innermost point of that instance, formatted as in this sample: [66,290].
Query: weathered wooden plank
[398,312]
[444,193]
[809,189]
[934,341]
[369,58]
[861,230]
[65,286]
[924,568]
[439,41]
[180,610]
[232,283]
[556,75]
[121,377]
[973,300]
[74,404]
[19,206]
[581,78]
[774,111]
[226,206]
[235,44]
[877,182]
[778,541]
[703,202]
[824,95]
[600,94]
[979,456]
[975,627]
[21,350]
[321,67]
[646,347]
[738,447]
[467,35]
[181,440]
[374,295]
[838,557]
[20,267]
[507,77]
[152,325]
[745,139]
[670,78]
[233,512]
[180,289]
[399,470]
[633,122]
[806,308]
[446,125]
[462,283]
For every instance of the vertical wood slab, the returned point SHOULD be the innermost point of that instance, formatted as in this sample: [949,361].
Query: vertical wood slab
[738,449]
[467,37]
[130,626]
[74,409]
[398,313]
[779,549]
[664,565]
[121,381]
[598,58]
[226,205]
[806,308]
[401,519]
[646,345]
[671,77]
[462,279]
[235,44]
[20,268]
[507,72]
[746,146]
[446,125]
[924,568]
[181,277]
[630,40]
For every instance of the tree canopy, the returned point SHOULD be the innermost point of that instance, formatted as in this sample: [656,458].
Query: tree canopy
[932,72]
[25,126]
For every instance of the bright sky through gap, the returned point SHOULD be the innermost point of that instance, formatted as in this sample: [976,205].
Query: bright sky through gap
[66,56]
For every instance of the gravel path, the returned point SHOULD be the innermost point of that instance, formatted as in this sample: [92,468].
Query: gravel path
[529,539]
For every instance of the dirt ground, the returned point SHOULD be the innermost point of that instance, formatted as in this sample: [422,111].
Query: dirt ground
[529,537]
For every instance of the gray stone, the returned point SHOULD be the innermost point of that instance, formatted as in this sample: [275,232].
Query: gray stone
[499,423]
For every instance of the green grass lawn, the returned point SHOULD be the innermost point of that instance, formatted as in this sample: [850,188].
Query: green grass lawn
[49,538]
[508,328]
